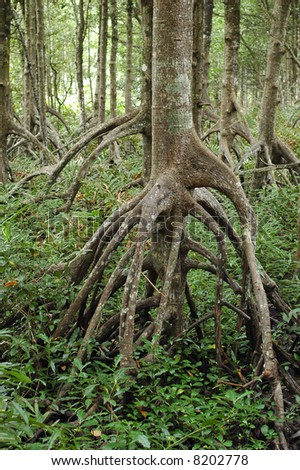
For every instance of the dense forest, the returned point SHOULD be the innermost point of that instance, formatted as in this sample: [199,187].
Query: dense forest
[150,227]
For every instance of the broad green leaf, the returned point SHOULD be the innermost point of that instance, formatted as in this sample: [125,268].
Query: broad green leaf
[144,441]
[21,411]
[20,376]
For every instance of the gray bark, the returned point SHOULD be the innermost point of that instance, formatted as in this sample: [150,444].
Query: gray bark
[4,87]
[270,153]
[100,93]
[113,57]
[129,44]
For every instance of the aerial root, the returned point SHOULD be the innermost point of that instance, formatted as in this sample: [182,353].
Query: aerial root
[203,216]
[127,317]
[168,271]
[95,275]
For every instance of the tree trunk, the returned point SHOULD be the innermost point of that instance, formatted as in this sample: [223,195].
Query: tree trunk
[232,122]
[80,35]
[272,149]
[113,57]
[203,12]
[5,16]
[41,68]
[197,62]
[129,44]
[100,94]
[147,15]
[229,114]
[30,86]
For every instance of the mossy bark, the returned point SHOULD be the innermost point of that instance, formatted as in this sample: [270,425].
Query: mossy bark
[4,87]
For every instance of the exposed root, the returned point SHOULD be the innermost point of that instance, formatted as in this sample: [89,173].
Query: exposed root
[130,221]
[209,221]
[28,137]
[162,247]
[270,155]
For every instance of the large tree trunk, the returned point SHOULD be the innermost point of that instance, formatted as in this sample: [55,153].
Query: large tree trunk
[4,87]
[272,149]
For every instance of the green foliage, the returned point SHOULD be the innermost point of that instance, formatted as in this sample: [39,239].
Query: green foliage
[174,406]
[277,210]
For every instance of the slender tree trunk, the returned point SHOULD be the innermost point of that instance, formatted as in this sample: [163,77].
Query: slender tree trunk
[230,78]
[271,150]
[147,23]
[232,122]
[4,87]
[41,68]
[129,43]
[30,86]
[197,62]
[113,57]
[207,28]
[80,35]
[203,14]
[100,94]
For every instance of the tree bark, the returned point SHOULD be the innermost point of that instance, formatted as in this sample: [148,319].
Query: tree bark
[232,122]
[197,62]
[129,44]
[113,57]
[147,29]
[202,108]
[229,115]
[5,16]
[41,68]
[30,85]
[80,36]
[172,121]
[100,93]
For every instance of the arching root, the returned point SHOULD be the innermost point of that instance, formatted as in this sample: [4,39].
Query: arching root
[156,220]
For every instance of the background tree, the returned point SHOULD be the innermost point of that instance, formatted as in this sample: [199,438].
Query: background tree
[273,150]
[231,120]
[203,14]
[100,93]
[129,45]
[5,16]
[80,12]
[113,57]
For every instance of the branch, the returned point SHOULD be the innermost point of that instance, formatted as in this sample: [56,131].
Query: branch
[284,166]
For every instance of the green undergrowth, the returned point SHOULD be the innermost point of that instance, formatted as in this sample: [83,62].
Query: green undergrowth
[181,401]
